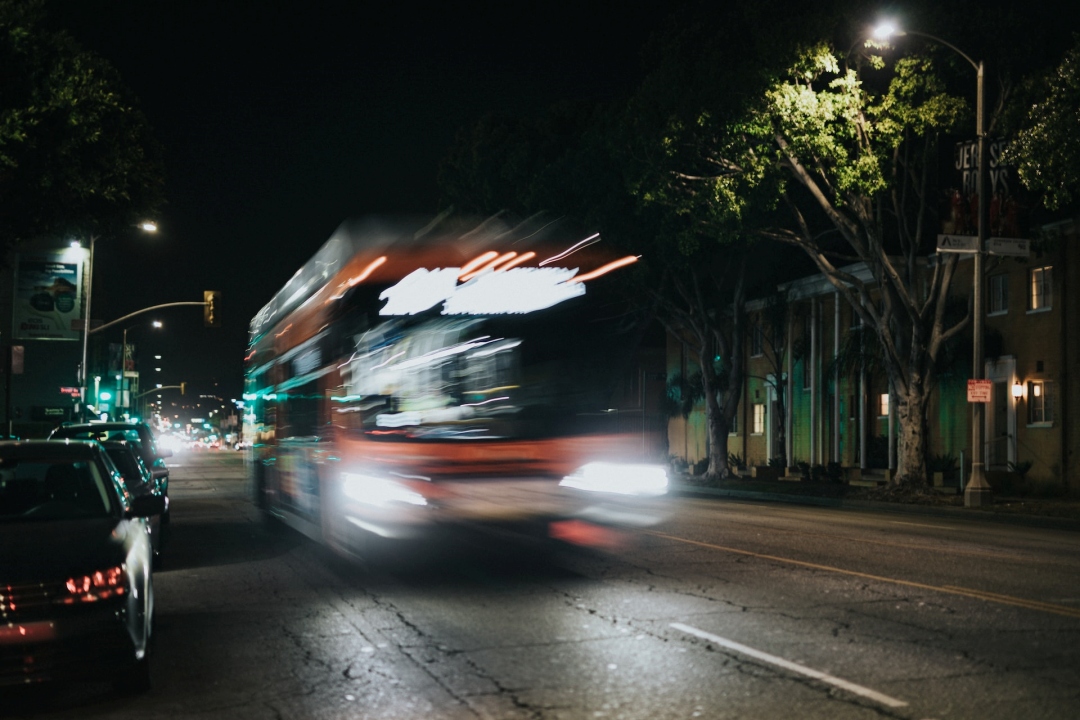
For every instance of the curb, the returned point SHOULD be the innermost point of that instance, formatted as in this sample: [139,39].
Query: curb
[1039,521]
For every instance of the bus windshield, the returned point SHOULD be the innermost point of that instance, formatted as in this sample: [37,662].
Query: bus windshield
[465,377]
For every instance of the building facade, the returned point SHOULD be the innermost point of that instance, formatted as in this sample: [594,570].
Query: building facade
[808,397]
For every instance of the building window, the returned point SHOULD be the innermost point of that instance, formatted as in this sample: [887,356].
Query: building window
[1041,288]
[733,429]
[1040,402]
[883,405]
[999,294]
[757,341]
[759,418]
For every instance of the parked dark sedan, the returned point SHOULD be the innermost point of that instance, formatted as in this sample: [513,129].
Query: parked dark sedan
[76,590]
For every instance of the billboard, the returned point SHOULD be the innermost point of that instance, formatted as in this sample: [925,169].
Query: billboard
[49,295]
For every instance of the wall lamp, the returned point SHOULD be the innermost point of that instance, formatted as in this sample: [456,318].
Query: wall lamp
[1018,390]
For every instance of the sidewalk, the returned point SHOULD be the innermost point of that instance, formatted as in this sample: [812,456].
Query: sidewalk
[1056,513]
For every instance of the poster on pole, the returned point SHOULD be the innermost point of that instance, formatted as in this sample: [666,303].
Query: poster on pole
[49,296]
[979,391]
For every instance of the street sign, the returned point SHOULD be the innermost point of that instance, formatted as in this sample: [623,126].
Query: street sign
[979,391]
[957,243]
[1011,247]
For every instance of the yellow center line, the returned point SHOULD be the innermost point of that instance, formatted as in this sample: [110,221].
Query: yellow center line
[887,543]
[948,589]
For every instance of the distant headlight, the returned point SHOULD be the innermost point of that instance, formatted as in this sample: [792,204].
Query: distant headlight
[619,479]
[99,585]
[378,491]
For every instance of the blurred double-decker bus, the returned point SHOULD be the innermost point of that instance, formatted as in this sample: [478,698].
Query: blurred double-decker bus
[415,376]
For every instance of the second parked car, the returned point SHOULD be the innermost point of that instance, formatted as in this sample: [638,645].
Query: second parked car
[137,433]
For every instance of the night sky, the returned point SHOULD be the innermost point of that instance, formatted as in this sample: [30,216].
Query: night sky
[279,120]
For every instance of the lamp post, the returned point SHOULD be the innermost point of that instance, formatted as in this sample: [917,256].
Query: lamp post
[977,493]
[125,396]
[86,326]
[83,374]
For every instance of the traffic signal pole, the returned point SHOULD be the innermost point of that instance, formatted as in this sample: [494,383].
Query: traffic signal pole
[145,310]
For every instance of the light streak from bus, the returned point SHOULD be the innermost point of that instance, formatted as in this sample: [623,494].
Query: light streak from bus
[605,269]
[354,281]
[485,402]
[517,261]
[477,262]
[488,267]
[594,238]
[429,358]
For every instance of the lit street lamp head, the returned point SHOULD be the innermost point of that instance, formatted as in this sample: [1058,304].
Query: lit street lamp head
[885,30]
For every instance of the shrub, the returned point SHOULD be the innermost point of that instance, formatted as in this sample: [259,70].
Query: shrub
[1021,468]
[944,464]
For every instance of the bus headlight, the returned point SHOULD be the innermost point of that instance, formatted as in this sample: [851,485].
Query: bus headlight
[377,491]
[619,479]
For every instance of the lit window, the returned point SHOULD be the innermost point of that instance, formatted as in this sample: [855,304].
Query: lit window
[999,294]
[759,418]
[883,405]
[757,341]
[1040,402]
[1041,288]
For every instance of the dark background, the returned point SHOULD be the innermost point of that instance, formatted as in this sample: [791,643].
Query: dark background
[279,120]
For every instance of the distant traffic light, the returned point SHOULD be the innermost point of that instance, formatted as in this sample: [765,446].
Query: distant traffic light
[183,388]
[211,303]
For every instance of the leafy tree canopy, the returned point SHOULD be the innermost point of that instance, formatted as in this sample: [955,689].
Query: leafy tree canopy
[76,154]
[1047,147]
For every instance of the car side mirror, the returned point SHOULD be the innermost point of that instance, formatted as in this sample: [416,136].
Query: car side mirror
[165,453]
[159,473]
[147,506]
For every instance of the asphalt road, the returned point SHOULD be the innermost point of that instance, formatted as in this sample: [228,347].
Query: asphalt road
[726,610]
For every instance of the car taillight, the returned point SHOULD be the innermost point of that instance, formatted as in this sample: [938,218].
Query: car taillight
[99,585]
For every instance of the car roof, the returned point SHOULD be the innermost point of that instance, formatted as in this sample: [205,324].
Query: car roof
[112,425]
[63,449]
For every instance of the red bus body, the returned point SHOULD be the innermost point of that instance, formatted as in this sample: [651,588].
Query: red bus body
[485,407]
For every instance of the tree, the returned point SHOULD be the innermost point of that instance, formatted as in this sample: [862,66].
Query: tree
[1046,148]
[853,167]
[76,154]
[709,67]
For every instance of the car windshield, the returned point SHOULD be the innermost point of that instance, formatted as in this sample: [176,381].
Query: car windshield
[52,489]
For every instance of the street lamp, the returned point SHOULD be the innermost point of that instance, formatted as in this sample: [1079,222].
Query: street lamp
[146,226]
[977,493]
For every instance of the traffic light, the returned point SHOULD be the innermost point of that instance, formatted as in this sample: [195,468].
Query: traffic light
[211,302]
[183,388]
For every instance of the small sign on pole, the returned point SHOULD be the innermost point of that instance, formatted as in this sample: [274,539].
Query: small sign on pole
[957,243]
[1010,247]
[979,391]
